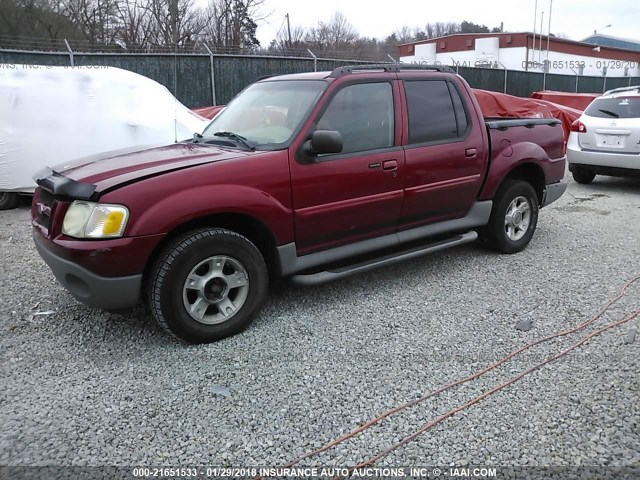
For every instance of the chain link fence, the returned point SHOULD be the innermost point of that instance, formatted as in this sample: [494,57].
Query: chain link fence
[204,75]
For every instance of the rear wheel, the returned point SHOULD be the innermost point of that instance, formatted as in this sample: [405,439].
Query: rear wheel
[208,285]
[9,200]
[582,175]
[513,219]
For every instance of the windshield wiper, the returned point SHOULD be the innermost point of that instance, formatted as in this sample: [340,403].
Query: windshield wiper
[238,138]
[610,113]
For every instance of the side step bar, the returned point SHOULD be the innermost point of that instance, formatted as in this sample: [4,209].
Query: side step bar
[342,272]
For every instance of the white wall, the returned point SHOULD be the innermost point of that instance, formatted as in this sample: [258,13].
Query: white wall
[515,59]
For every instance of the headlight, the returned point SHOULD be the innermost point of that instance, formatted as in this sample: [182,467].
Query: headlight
[95,220]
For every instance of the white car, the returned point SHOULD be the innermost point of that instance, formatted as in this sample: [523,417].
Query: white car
[54,115]
[605,140]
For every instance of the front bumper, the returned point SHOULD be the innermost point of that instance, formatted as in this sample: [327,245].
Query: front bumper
[109,293]
[553,192]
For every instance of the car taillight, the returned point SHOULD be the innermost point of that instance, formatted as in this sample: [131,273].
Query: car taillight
[578,127]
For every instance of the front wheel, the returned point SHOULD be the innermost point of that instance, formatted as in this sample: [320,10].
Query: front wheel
[513,219]
[208,285]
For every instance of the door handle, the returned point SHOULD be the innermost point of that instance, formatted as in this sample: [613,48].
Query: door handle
[389,165]
[470,152]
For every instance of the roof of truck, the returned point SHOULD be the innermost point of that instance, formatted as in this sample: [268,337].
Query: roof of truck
[367,68]
[299,76]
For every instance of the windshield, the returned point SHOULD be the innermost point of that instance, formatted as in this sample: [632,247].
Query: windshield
[620,107]
[267,114]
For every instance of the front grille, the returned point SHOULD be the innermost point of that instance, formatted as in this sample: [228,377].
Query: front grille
[45,205]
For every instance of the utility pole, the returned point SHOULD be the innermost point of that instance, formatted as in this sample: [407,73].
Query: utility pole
[549,31]
[533,50]
[541,27]
[173,14]
[289,31]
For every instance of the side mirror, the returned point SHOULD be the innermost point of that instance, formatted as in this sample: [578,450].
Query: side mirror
[325,141]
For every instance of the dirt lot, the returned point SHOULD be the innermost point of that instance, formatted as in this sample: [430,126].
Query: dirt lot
[84,387]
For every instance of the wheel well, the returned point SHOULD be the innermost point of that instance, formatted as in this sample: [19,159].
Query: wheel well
[247,226]
[530,173]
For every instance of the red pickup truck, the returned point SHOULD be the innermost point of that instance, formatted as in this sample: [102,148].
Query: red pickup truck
[313,176]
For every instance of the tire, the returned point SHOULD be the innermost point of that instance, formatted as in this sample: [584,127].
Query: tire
[207,285]
[508,234]
[9,200]
[582,175]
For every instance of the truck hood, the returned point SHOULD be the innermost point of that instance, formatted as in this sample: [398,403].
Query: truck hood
[110,169]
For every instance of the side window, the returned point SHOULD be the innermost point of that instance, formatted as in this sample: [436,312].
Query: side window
[435,112]
[364,116]
[461,115]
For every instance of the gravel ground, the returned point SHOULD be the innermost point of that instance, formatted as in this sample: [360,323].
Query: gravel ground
[85,387]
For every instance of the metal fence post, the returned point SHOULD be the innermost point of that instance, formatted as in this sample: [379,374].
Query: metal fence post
[577,77]
[213,77]
[315,60]
[505,76]
[70,52]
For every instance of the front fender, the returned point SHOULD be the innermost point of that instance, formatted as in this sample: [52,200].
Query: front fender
[184,206]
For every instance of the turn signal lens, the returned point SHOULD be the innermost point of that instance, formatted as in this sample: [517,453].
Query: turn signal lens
[95,220]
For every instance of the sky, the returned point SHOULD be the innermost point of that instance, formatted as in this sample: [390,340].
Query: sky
[576,19]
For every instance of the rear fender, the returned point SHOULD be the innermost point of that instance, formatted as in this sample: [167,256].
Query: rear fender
[509,158]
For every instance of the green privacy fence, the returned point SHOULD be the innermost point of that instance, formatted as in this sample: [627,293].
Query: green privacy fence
[523,84]
[203,79]
[191,78]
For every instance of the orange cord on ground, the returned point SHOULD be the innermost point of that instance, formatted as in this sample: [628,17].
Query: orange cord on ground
[493,366]
[493,390]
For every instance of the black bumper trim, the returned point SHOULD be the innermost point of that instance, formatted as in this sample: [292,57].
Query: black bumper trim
[109,293]
[606,171]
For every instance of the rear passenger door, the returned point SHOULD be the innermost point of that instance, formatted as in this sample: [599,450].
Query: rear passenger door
[444,152]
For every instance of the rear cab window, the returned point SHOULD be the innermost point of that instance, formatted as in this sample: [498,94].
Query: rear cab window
[436,112]
[618,107]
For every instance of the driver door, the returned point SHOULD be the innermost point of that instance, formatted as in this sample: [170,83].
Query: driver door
[356,194]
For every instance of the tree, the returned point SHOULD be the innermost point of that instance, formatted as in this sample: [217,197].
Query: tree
[232,23]
[470,27]
[133,24]
[281,43]
[95,18]
[337,35]
[177,23]
[36,19]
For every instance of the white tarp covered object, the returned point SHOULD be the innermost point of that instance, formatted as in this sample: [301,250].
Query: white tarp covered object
[52,115]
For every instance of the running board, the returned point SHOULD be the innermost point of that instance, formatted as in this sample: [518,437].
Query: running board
[342,272]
